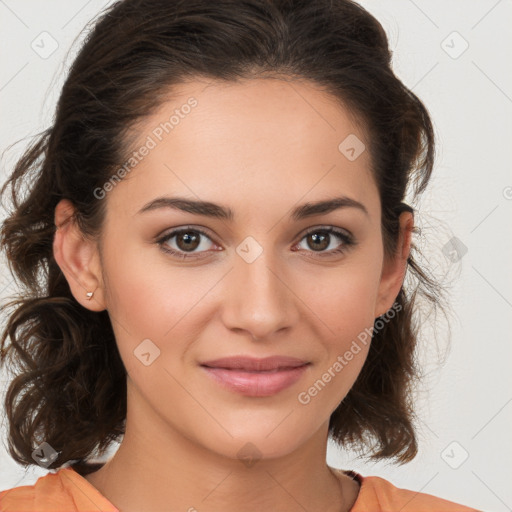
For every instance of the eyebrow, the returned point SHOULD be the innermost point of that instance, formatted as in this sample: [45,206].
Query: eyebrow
[214,210]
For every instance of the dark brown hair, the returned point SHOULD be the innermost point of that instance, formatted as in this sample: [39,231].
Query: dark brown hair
[69,387]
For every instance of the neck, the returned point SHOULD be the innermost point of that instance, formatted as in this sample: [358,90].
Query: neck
[158,468]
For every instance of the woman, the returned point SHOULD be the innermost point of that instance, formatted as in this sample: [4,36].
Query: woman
[219,217]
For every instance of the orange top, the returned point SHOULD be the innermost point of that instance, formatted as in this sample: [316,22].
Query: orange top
[68,491]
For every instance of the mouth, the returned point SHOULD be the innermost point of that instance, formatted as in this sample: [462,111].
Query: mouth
[256,377]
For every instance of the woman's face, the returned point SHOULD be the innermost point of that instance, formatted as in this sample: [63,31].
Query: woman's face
[267,280]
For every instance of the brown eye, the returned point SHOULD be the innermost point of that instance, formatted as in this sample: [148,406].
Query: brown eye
[184,243]
[320,239]
[318,242]
[187,241]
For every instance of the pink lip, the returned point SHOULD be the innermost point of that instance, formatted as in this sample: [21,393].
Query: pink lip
[256,377]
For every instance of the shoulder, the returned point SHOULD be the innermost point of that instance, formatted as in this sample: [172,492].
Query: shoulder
[380,495]
[28,497]
[55,492]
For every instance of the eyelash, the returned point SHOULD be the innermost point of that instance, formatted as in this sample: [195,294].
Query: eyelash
[348,241]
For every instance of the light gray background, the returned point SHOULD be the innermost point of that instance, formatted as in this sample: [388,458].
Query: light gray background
[466,401]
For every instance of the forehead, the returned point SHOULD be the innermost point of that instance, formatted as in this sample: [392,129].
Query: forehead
[268,105]
[259,139]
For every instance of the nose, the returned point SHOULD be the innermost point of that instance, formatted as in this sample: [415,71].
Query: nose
[259,300]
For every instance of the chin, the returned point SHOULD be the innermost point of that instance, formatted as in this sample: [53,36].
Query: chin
[255,442]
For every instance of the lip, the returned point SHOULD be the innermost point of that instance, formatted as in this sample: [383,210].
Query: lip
[255,364]
[256,377]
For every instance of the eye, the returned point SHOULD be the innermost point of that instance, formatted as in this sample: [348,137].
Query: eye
[187,241]
[322,238]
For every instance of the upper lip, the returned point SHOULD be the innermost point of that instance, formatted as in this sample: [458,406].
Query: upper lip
[255,364]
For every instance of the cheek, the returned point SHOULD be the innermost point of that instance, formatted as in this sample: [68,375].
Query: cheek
[343,298]
[349,314]
[155,301]
[347,310]
[145,293]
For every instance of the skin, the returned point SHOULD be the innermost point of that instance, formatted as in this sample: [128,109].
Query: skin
[260,147]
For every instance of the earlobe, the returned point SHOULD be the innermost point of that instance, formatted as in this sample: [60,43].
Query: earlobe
[78,258]
[393,271]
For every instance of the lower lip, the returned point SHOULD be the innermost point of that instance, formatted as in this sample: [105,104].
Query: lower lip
[256,383]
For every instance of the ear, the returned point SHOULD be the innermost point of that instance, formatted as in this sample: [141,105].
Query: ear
[78,258]
[393,270]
